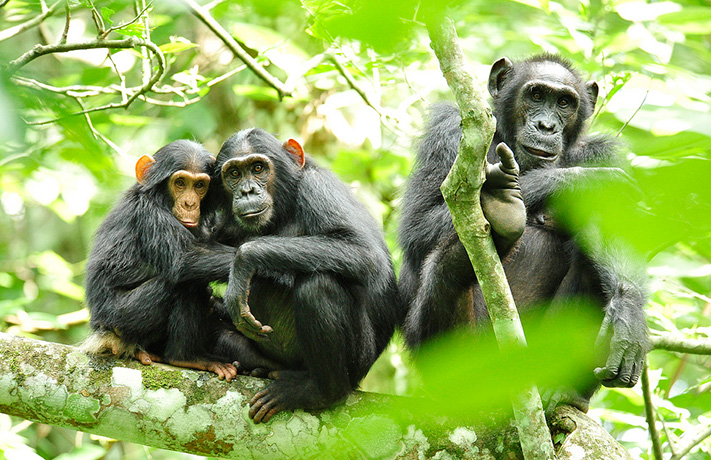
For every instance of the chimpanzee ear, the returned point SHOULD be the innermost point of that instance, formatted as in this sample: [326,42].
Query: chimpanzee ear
[142,166]
[593,90]
[497,75]
[296,151]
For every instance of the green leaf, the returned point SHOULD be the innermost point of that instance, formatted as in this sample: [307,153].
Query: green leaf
[135,29]
[176,47]
[257,93]
[106,13]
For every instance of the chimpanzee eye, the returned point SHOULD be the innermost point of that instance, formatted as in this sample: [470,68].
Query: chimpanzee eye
[257,168]
[199,185]
[180,182]
[234,173]
[537,95]
[563,102]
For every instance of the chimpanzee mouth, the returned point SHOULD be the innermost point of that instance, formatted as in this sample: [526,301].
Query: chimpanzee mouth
[189,223]
[542,154]
[253,214]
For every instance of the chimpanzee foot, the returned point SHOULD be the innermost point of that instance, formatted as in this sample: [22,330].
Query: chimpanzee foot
[554,398]
[261,372]
[291,390]
[224,371]
[147,358]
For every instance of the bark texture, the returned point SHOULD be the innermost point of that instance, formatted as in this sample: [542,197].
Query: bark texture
[190,411]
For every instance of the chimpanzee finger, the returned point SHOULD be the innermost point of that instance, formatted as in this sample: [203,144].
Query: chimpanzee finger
[144,357]
[506,155]
[624,376]
[260,407]
[262,415]
[608,374]
[605,331]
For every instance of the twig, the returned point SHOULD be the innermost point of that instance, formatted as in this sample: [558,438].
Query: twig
[695,440]
[204,16]
[681,344]
[670,436]
[106,32]
[131,42]
[638,108]
[68,19]
[384,118]
[650,415]
[146,68]
[18,29]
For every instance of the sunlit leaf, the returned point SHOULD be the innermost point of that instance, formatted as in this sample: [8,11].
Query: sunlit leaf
[176,47]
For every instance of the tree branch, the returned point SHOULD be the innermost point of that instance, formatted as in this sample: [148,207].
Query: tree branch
[650,414]
[203,15]
[18,29]
[194,412]
[461,190]
[679,344]
[695,440]
[130,42]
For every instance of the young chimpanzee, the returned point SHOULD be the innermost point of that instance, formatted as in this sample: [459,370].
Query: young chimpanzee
[148,272]
[312,263]
[540,105]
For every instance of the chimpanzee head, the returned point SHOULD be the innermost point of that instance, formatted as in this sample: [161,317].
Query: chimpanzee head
[260,176]
[540,105]
[179,175]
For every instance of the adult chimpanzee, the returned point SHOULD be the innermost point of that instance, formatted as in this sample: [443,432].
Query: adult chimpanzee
[541,105]
[148,272]
[312,263]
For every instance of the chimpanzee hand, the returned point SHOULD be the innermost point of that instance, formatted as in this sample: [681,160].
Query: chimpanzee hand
[236,301]
[626,332]
[501,198]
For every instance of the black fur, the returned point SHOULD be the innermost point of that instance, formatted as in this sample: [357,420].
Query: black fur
[320,274]
[437,280]
[147,275]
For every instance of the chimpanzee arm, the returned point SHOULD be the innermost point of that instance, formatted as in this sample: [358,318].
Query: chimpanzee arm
[624,328]
[205,262]
[445,274]
[539,185]
[306,255]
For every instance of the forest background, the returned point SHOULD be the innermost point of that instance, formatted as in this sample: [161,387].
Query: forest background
[351,81]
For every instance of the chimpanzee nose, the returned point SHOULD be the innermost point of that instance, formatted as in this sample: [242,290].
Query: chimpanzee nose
[247,188]
[546,126]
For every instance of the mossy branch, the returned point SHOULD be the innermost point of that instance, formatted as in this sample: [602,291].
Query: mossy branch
[461,191]
[190,411]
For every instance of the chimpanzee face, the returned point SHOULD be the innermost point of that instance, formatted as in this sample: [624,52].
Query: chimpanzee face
[539,108]
[179,170]
[188,188]
[249,179]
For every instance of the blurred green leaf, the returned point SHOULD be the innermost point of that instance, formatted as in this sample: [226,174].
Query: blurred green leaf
[257,93]
[176,47]
[470,365]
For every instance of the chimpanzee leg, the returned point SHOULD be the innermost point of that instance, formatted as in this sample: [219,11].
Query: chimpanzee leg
[191,333]
[231,346]
[323,310]
[446,274]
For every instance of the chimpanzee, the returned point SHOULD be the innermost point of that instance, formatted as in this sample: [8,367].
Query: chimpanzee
[312,263]
[148,272]
[540,105]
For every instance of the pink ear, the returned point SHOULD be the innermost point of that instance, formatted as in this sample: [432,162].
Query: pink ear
[295,149]
[142,166]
